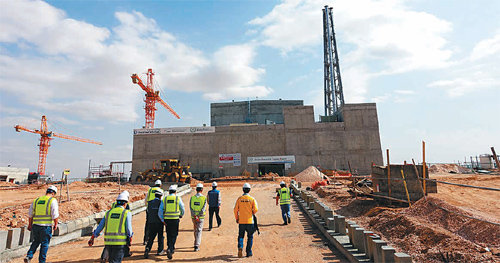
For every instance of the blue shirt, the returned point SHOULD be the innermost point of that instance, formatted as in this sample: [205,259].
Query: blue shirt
[214,198]
[128,226]
[181,208]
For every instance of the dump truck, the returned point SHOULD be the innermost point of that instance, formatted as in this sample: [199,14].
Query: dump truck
[170,170]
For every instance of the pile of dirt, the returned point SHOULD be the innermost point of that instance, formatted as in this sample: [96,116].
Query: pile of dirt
[448,168]
[3,184]
[310,174]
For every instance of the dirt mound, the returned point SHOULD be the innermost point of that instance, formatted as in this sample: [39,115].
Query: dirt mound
[448,168]
[7,184]
[310,174]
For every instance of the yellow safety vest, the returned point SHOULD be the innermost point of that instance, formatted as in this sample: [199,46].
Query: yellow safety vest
[197,203]
[114,228]
[41,210]
[171,207]
[151,193]
[284,196]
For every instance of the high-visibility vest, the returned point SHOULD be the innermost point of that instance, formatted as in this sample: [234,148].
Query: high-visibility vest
[197,203]
[114,227]
[42,213]
[171,207]
[284,196]
[151,193]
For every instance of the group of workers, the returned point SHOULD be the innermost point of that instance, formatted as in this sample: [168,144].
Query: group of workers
[162,211]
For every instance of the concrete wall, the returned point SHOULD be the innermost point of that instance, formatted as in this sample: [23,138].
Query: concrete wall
[223,114]
[20,175]
[326,144]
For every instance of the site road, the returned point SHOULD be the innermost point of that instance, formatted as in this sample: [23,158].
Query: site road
[298,242]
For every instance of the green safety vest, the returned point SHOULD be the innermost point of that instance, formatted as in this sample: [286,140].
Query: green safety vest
[41,210]
[197,203]
[284,196]
[151,193]
[171,207]
[114,228]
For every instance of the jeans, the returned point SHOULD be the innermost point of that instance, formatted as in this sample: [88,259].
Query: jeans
[249,229]
[42,236]
[116,253]
[172,227]
[211,212]
[285,212]
[155,229]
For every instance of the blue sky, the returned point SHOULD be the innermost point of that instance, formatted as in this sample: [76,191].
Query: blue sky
[431,66]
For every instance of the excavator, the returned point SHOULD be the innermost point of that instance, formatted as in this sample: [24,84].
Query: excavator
[170,171]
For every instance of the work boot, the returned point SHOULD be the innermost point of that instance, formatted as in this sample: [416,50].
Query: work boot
[289,220]
[162,253]
[196,248]
[27,260]
[240,252]
[146,253]
[169,254]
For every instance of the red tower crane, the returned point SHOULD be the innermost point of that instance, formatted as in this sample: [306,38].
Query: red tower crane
[45,137]
[152,97]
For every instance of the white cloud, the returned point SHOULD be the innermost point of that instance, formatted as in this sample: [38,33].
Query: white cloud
[71,66]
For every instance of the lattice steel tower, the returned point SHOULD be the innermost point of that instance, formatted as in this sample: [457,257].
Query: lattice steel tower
[334,94]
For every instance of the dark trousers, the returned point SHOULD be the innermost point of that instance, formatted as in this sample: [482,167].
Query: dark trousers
[42,236]
[211,211]
[172,228]
[155,229]
[126,251]
[146,230]
[116,253]
[249,229]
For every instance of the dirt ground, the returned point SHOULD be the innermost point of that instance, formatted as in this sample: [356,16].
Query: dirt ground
[425,231]
[297,242]
[86,199]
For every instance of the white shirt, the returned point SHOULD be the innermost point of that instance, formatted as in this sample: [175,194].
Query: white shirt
[54,211]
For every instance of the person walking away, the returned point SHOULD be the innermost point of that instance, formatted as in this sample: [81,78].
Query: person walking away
[155,226]
[283,197]
[214,202]
[150,195]
[198,206]
[117,226]
[170,211]
[127,253]
[244,209]
[42,212]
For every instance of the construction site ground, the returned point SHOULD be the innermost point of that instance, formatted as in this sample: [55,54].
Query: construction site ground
[426,231]
[297,242]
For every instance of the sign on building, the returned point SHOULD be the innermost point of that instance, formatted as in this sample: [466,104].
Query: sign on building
[271,159]
[176,130]
[234,158]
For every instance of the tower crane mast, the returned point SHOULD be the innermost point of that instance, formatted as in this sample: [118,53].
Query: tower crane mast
[45,137]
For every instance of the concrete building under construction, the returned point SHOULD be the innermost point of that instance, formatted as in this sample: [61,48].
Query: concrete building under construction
[278,136]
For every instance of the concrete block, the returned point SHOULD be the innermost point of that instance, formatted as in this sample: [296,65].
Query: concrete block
[328,213]
[370,246]
[79,223]
[85,222]
[13,237]
[25,237]
[365,241]
[402,258]
[92,221]
[71,226]
[62,229]
[388,254]
[330,223]
[299,184]
[350,230]
[3,240]
[359,239]
[377,250]
[340,225]
[311,205]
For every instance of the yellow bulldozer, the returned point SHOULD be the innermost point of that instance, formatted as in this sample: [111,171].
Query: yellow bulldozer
[170,171]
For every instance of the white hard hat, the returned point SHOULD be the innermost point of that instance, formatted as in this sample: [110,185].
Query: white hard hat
[53,188]
[214,184]
[122,197]
[126,193]
[282,182]
[158,182]
[200,185]
[173,187]
[246,185]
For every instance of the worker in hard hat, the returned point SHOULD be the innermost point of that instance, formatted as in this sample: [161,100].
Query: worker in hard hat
[283,197]
[154,225]
[170,211]
[150,196]
[198,205]
[117,226]
[214,202]
[43,218]
[127,253]
[244,210]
